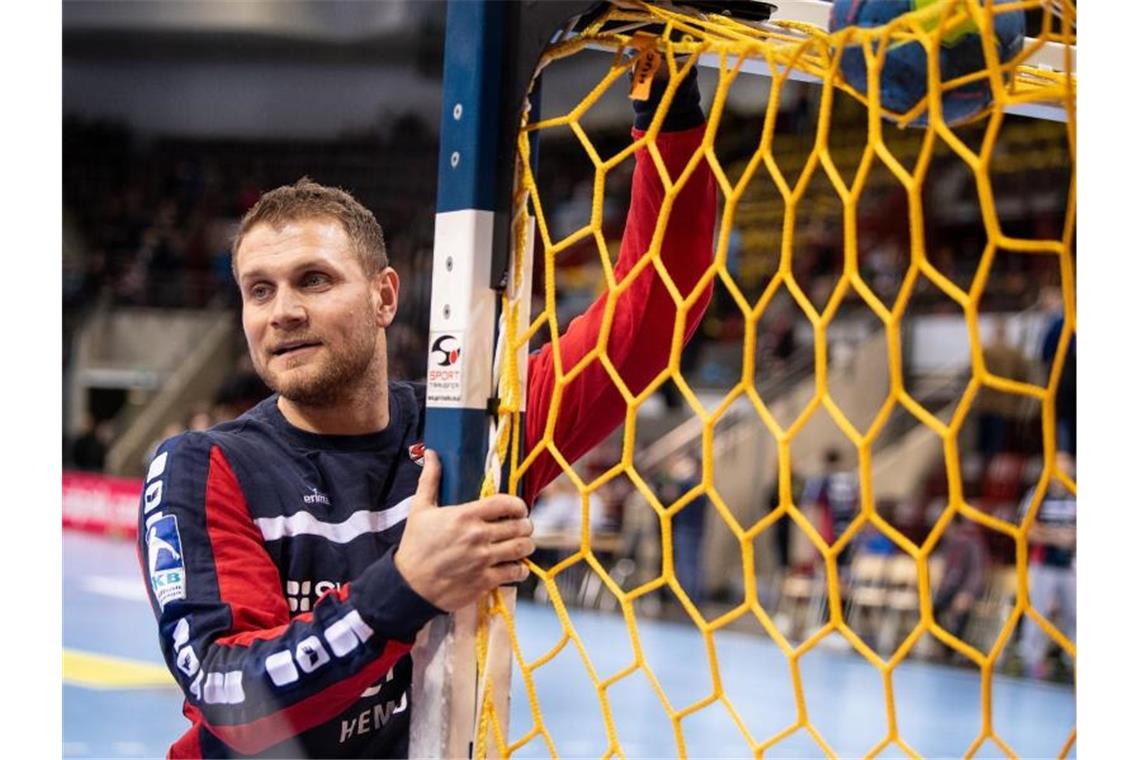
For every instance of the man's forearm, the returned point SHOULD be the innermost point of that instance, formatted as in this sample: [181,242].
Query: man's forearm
[639,337]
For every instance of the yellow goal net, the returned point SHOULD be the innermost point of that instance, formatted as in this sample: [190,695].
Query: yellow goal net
[780,189]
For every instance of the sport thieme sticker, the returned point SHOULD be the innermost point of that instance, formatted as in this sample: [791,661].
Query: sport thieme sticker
[445,368]
[164,560]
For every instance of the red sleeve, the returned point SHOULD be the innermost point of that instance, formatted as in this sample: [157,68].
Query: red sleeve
[590,406]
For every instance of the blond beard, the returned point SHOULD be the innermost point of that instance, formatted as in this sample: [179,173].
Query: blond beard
[339,379]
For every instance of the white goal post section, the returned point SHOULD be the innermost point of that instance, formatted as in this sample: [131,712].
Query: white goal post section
[491,52]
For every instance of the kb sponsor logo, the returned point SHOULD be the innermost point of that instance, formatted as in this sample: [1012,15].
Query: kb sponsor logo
[164,559]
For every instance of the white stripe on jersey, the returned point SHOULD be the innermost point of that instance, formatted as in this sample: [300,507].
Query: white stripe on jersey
[305,524]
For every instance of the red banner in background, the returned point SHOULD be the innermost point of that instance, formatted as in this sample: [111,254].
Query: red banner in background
[101,503]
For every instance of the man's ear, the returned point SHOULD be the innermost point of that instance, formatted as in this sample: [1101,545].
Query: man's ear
[385,295]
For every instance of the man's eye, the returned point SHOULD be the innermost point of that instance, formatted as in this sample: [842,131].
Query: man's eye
[260,292]
[314,279]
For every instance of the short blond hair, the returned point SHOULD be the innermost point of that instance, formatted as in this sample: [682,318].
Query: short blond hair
[307,199]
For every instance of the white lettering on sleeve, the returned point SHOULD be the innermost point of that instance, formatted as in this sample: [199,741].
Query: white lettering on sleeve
[311,654]
[344,635]
[281,669]
[181,633]
[157,467]
[359,627]
[341,638]
[224,688]
[153,496]
[187,661]
[214,692]
[234,693]
[196,687]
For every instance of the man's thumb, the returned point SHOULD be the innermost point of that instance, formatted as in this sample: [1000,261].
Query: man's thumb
[427,491]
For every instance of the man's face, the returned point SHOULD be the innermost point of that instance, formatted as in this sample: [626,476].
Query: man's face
[313,320]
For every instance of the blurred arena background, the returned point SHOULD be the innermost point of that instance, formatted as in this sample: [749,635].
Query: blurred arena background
[176,116]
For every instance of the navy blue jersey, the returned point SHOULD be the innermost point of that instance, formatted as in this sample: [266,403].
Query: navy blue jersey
[287,537]
[268,550]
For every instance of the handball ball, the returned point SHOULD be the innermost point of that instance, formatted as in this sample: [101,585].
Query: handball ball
[903,76]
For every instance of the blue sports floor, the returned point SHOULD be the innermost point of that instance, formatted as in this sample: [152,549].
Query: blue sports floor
[105,615]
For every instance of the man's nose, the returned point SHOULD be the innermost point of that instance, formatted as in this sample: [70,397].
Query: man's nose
[288,309]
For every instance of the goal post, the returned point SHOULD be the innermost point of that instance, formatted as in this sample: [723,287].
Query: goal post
[490,52]
[491,220]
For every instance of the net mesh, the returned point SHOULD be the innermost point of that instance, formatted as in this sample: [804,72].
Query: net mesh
[788,50]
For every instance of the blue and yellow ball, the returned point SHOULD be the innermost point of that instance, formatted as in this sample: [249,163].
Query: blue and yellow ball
[903,81]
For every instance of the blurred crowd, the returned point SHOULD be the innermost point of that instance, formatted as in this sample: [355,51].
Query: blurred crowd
[970,569]
[239,391]
[149,221]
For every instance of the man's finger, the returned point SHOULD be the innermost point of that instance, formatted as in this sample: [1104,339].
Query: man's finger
[427,490]
[505,530]
[501,506]
[511,551]
[508,572]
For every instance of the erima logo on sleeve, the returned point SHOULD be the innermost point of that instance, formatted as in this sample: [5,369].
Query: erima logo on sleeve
[164,560]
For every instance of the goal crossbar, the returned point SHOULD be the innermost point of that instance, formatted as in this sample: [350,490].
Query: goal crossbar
[1047,57]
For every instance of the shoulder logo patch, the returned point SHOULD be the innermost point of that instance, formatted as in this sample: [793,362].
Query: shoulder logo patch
[165,561]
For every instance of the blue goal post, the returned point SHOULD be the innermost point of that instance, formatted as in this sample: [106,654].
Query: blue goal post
[491,51]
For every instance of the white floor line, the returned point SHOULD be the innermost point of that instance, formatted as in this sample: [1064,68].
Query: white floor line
[118,586]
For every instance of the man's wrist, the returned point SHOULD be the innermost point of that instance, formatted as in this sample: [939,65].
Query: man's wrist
[407,575]
[684,110]
[389,603]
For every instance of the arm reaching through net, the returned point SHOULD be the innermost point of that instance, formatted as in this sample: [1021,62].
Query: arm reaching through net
[640,337]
